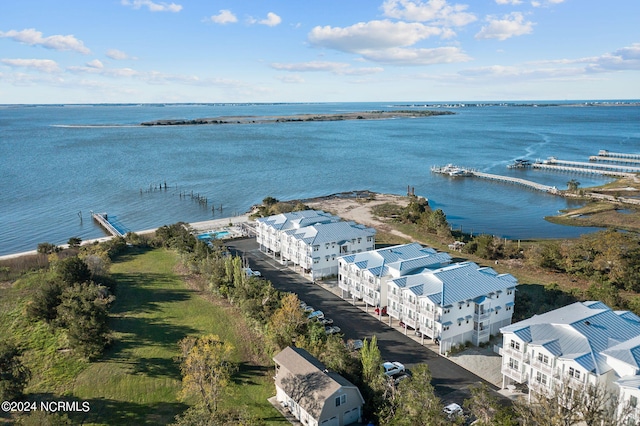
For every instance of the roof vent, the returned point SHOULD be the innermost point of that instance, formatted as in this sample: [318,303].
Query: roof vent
[587,323]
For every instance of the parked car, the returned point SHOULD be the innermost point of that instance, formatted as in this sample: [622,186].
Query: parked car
[355,345]
[316,314]
[392,368]
[452,410]
[332,329]
[384,311]
[326,321]
[252,273]
[398,378]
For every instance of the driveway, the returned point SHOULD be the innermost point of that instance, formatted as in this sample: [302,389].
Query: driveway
[451,381]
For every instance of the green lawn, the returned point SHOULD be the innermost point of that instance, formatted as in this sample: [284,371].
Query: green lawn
[137,381]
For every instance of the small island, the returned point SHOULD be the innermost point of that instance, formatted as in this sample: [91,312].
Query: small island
[248,119]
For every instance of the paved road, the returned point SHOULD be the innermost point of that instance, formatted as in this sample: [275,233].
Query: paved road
[451,381]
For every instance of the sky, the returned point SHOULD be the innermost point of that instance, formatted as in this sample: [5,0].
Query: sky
[151,51]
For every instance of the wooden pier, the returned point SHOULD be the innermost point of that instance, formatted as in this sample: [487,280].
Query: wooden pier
[582,167]
[605,153]
[103,221]
[614,159]
[517,181]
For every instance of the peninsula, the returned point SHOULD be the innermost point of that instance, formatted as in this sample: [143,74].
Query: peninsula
[249,119]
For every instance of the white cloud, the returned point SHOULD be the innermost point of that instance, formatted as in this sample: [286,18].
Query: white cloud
[291,79]
[56,42]
[409,56]
[152,6]
[42,65]
[271,20]
[545,3]
[96,63]
[509,1]
[437,11]
[509,26]
[118,55]
[339,68]
[224,16]
[371,35]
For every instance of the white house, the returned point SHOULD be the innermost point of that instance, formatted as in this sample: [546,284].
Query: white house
[312,240]
[314,395]
[455,304]
[582,343]
[364,275]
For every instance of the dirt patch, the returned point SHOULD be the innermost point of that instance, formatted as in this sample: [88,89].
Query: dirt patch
[357,206]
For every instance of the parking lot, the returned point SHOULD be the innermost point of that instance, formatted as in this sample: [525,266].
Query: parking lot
[450,380]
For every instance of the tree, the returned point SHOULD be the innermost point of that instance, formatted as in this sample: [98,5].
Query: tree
[415,402]
[371,363]
[286,322]
[568,404]
[573,185]
[74,242]
[73,270]
[13,374]
[46,248]
[206,370]
[45,301]
[269,201]
[84,313]
[485,407]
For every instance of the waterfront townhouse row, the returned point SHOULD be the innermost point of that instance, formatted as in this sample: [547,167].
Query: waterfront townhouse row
[449,303]
[312,240]
[585,343]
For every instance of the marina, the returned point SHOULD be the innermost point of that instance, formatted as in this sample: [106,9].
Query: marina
[553,164]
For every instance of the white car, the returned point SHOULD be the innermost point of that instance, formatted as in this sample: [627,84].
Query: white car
[392,368]
[452,410]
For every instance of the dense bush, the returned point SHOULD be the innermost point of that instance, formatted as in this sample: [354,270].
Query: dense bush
[13,374]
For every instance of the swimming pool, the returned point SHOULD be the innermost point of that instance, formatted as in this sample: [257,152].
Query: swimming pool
[213,235]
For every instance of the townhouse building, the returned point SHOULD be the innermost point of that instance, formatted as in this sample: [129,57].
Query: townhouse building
[364,276]
[312,241]
[576,345]
[454,304]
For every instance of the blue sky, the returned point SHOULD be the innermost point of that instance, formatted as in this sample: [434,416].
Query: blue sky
[80,51]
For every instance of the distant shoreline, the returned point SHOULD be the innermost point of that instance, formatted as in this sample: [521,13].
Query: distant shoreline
[248,119]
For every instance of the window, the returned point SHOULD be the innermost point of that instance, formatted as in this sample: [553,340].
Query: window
[543,358]
[515,345]
[513,363]
[574,373]
[541,378]
[633,401]
[316,248]
[369,239]
[341,400]
[447,310]
[509,292]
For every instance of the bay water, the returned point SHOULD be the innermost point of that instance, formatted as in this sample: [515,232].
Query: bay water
[59,162]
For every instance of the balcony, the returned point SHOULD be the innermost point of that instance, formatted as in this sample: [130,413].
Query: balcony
[541,366]
[371,300]
[356,292]
[411,322]
[393,312]
[517,375]
[344,285]
[515,354]
[481,317]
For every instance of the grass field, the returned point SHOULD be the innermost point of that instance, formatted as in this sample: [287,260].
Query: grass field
[137,381]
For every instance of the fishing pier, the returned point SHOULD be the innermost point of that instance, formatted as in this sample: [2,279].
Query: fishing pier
[111,226]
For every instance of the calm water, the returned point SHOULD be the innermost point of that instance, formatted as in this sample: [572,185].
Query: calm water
[60,162]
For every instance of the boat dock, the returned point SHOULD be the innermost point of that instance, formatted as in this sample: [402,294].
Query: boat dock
[456,171]
[605,153]
[103,221]
[553,163]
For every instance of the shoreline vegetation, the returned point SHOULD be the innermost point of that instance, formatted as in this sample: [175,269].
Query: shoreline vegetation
[249,119]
